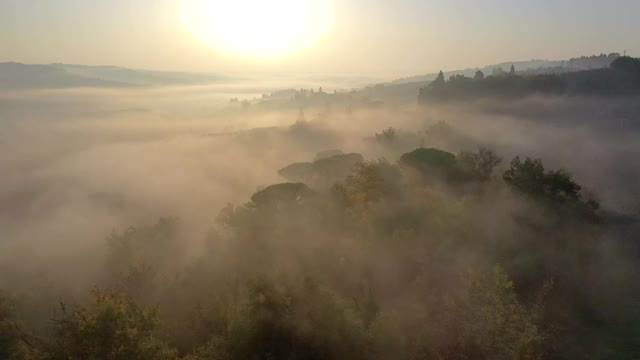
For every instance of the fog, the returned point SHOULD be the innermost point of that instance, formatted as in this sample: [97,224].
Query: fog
[80,164]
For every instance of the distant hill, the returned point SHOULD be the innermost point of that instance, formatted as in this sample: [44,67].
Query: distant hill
[621,78]
[404,90]
[25,76]
[15,75]
[538,67]
[594,75]
[521,65]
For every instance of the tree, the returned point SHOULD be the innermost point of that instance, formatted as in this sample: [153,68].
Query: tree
[295,321]
[530,178]
[112,327]
[626,64]
[387,136]
[281,194]
[329,167]
[498,71]
[297,171]
[330,170]
[479,75]
[371,181]
[479,166]
[439,79]
[513,70]
[478,318]
[430,161]
[494,325]
[559,185]
[526,177]
[140,251]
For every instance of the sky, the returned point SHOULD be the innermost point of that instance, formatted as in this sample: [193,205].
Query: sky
[366,37]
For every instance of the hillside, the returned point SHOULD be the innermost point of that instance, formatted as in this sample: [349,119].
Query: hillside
[25,76]
[622,78]
[530,66]
[404,90]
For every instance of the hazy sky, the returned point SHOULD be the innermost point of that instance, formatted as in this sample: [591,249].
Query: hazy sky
[368,37]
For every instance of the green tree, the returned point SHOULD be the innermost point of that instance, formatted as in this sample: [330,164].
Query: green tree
[112,327]
[330,170]
[370,182]
[493,324]
[430,162]
[529,178]
[281,194]
[479,166]
[279,320]
[526,176]
[559,185]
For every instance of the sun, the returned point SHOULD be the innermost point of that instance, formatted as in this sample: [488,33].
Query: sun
[263,29]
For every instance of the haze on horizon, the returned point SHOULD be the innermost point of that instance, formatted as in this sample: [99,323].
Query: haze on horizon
[382,38]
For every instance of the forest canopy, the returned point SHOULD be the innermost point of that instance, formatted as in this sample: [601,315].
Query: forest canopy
[393,260]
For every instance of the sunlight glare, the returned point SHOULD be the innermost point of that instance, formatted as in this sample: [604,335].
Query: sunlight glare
[258,28]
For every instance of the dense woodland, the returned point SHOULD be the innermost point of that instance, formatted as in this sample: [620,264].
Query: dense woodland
[433,255]
[529,67]
[621,78]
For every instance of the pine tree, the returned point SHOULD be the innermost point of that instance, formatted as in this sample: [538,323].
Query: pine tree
[440,79]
